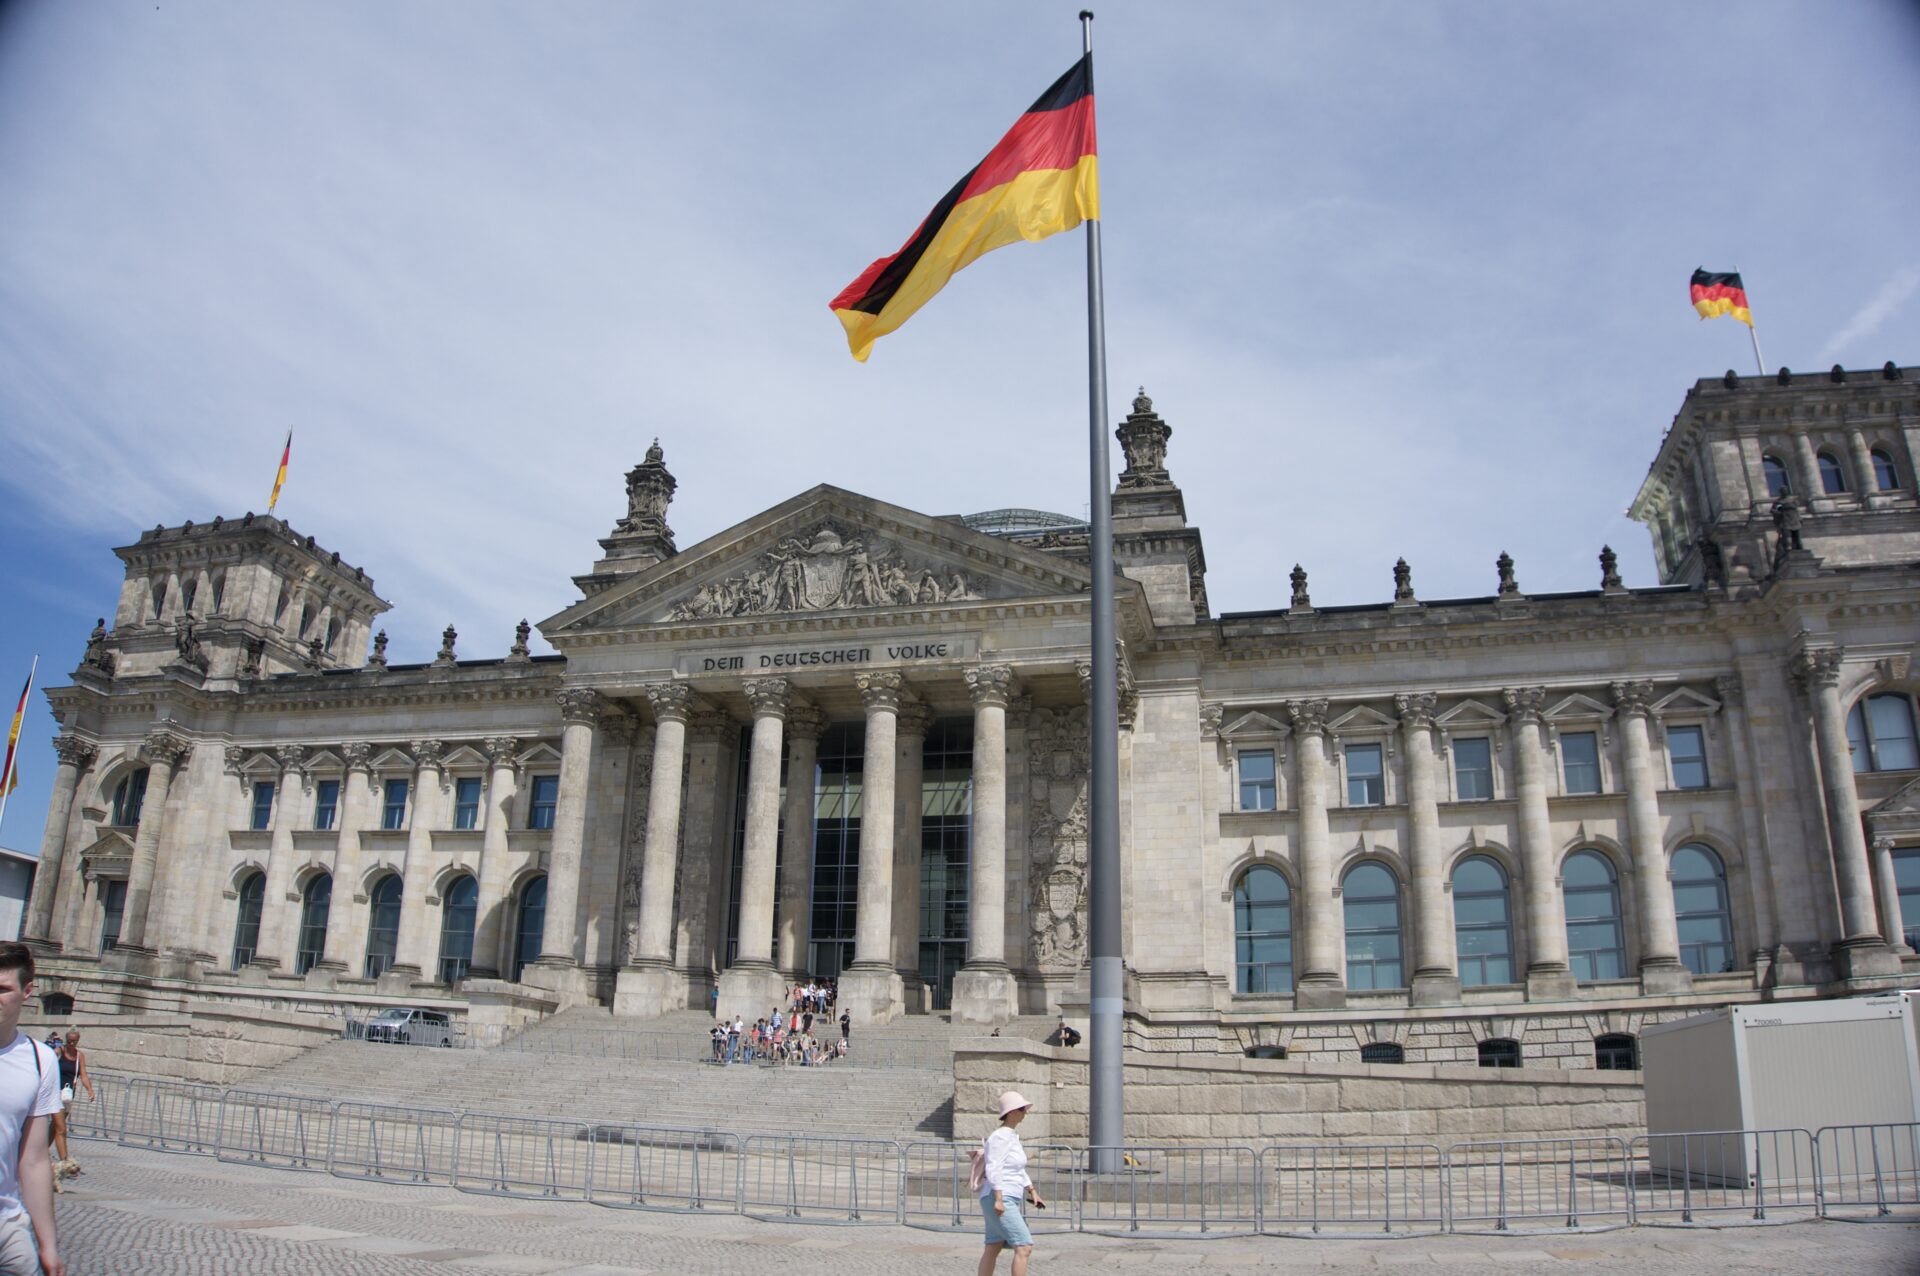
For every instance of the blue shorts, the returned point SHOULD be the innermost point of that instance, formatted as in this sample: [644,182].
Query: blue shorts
[1009,1228]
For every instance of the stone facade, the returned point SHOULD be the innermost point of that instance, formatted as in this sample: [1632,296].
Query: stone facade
[1425,827]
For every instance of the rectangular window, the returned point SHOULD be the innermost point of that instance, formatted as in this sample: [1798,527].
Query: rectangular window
[1257,792]
[466,802]
[326,803]
[393,808]
[262,815]
[1366,783]
[113,902]
[546,794]
[1687,747]
[1580,761]
[1473,769]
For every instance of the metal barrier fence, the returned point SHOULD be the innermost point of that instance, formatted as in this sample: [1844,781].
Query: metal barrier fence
[1541,1184]
[806,1178]
[1170,1189]
[1870,1167]
[655,1168]
[448,1034]
[257,1128]
[171,1116]
[394,1144]
[1386,1188]
[101,1116]
[523,1156]
[1761,1174]
[934,1191]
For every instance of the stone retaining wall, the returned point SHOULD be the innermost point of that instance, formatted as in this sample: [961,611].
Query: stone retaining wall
[209,1045]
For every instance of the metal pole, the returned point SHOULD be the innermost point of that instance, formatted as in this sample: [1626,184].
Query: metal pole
[1105,1108]
[1759,362]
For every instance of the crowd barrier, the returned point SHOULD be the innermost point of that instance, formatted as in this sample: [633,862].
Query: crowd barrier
[1711,1178]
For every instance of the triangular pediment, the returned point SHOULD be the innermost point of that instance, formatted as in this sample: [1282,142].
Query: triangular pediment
[1684,700]
[541,754]
[463,758]
[391,760]
[1898,813]
[325,760]
[1255,724]
[260,764]
[1360,719]
[111,847]
[824,552]
[1469,713]
[1579,707]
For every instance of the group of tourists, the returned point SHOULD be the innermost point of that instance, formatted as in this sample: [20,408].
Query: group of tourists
[782,1039]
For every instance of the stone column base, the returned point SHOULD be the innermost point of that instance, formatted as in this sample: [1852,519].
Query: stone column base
[1439,988]
[647,990]
[1864,958]
[570,985]
[985,995]
[1320,992]
[752,991]
[871,994]
[1552,985]
[1664,980]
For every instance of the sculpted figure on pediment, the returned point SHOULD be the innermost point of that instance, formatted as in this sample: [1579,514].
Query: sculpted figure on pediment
[828,568]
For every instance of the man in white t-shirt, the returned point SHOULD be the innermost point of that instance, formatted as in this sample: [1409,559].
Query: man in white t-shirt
[29,1095]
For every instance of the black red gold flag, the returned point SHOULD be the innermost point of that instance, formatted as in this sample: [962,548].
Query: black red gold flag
[1720,294]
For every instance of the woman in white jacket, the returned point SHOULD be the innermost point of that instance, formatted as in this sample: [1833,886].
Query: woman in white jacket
[1007,1189]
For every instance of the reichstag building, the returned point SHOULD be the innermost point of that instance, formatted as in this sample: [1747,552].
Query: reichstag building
[846,738]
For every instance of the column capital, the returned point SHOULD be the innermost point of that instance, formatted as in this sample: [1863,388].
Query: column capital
[916,718]
[804,720]
[1818,666]
[1524,703]
[75,752]
[1882,842]
[358,755]
[1309,716]
[291,757]
[1632,699]
[990,684]
[880,692]
[579,705]
[426,753]
[1212,718]
[166,745]
[670,700]
[1729,688]
[502,750]
[768,696]
[617,727]
[1415,709]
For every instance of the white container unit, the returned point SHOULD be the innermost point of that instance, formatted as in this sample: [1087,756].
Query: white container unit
[1783,1066]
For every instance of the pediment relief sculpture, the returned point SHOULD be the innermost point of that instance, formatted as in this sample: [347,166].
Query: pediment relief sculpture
[826,569]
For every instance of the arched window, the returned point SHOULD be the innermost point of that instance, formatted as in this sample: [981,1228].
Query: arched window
[1372,905]
[316,904]
[1700,908]
[1382,1052]
[459,908]
[383,925]
[531,924]
[1880,731]
[246,927]
[1833,479]
[1262,932]
[128,796]
[1595,949]
[1885,476]
[1906,877]
[1501,1052]
[1482,929]
[1778,484]
[56,1005]
[1616,1051]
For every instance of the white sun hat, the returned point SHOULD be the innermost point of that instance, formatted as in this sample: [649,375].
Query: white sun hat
[1012,1101]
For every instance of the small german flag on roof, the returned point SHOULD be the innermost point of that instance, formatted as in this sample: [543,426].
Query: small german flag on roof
[1716,295]
[1041,179]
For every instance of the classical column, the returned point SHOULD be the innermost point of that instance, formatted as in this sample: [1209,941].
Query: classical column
[909,806]
[418,947]
[1436,978]
[792,914]
[1887,891]
[870,988]
[356,786]
[278,916]
[984,990]
[648,986]
[1320,924]
[1861,951]
[490,915]
[1660,968]
[76,755]
[1809,467]
[579,713]
[1549,978]
[750,986]
[166,749]
[1864,482]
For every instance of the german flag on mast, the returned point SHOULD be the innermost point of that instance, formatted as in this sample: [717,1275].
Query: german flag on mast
[1716,295]
[1041,179]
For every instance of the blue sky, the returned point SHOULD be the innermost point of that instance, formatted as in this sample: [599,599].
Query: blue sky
[1404,279]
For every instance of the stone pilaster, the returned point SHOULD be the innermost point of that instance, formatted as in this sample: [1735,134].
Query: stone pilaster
[1320,984]
[1549,977]
[648,987]
[166,750]
[1660,968]
[1759,875]
[915,720]
[419,940]
[76,755]
[280,912]
[792,915]
[580,711]
[870,989]
[1436,977]
[341,952]
[750,985]
[984,990]
[492,907]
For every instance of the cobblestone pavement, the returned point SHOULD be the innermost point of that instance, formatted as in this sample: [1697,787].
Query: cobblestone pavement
[138,1213]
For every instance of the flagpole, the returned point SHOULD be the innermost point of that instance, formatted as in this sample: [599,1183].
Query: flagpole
[1753,331]
[1105,1107]
[13,750]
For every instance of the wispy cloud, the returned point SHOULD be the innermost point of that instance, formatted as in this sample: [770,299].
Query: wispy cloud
[1866,321]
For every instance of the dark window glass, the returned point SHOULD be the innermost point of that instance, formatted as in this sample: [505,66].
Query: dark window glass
[326,803]
[1595,948]
[1778,484]
[1700,910]
[1366,784]
[262,813]
[56,1005]
[1687,748]
[466,802]
[316,905]
[836,848]
[113,903]
[1885,476]
[530,924]
[1833,479]
[1880,732]
[128,796]
[1382,1052]
[946,842]
[393,809]
[383,926]
[1616,1051]
[246,926]
[1371,902]
[1482,928]
[1580,761]
[459,910]
[1257,789]
[1473,769]
[1501,1052]
[1906,876]
[546,793]
[1263,932]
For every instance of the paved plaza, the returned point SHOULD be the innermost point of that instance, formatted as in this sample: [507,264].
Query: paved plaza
[138,1213]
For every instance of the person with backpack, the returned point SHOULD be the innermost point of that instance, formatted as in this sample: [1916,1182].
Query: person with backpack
[29,1094]
[999,1175]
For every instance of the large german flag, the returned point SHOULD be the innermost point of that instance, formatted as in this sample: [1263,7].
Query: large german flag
[1042,178]
[1716,295]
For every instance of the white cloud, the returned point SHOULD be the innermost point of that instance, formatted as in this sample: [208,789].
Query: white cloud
[1870,318]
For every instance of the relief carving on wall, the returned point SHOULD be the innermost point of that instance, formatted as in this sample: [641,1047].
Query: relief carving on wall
[633,854]
[1057,843]
[827,568]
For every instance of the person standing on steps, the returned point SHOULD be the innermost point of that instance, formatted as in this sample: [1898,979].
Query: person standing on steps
[1005,1189]
[29,1095]
[846,1026]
